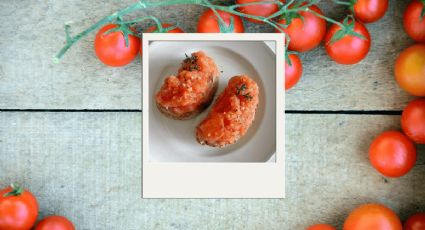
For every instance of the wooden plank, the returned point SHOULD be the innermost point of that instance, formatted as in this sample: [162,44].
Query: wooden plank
[86,166]
[29,79]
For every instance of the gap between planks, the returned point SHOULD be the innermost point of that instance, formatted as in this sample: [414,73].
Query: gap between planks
[320,112]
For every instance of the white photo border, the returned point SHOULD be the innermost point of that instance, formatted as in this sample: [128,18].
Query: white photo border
[215,180]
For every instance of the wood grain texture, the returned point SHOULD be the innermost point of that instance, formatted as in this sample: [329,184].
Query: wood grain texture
[86,166]
[34,33]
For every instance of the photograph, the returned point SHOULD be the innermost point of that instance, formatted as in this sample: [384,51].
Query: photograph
[212,101]
[211,126]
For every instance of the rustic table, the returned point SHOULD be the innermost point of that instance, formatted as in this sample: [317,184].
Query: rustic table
[70,132]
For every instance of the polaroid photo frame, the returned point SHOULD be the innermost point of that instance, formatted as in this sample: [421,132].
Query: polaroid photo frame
[215,179]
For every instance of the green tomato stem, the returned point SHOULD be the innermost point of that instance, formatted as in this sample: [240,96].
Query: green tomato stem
[342,2]
[232,9]
[325,18]
[132,8]
[16,191]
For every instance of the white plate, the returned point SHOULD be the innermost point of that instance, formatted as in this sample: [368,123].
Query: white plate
[174,141]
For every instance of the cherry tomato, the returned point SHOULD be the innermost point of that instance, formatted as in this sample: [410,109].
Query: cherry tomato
[321,227]
[208,22]
[415,222]
[263,10]
[392,153]
[350,49]
[414,23]
[55,223]
[368,11]
[413,121]
[111,48]
[410,70]
[165,26]
[18,209]
[307,32]
[293,72]
[372,216]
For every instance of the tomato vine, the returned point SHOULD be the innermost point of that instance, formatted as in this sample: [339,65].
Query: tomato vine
[291,7]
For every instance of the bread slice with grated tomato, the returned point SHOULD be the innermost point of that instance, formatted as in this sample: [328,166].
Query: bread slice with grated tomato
[231,115]
[189,93]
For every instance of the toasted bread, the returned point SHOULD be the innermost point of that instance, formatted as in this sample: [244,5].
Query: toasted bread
[191,114]
[186,95]
[231,115]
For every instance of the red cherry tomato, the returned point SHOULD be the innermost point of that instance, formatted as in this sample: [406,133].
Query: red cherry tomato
[414,23]
[165,26]
[111,48]
[413,121]
[55,223]
[263,10]
[293,72]
[372,217]
[321,227]
[410,70]
[18,209]
[415,222]
[368,11]
[208,22]
[350,49]
[307,32]
[392,154]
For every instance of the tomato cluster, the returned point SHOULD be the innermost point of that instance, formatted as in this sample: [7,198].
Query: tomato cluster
[19,211]
[376,216]
[410,65]
[393,153]
[346,42]
[307,29]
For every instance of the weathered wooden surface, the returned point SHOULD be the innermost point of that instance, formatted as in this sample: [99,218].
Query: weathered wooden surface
[34,33]
[87,166]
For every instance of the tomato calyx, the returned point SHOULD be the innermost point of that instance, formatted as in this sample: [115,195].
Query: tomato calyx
[291,15]
[16,191]
[224,28]
[287,59]
[288,17]
[222,25]
[124,28]
[347,29]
